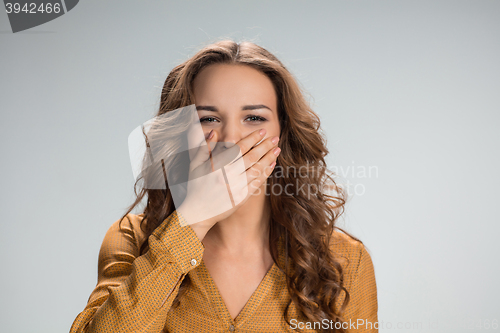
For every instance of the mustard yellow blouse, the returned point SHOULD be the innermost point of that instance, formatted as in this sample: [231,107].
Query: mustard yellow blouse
[134,292]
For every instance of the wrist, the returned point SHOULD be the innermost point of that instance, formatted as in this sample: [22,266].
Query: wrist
[199,226]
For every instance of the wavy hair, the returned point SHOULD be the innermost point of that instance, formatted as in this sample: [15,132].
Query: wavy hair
[314,275]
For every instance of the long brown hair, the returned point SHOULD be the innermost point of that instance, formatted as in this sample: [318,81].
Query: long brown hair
[305,222]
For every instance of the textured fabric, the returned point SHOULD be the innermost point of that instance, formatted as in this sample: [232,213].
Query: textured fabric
[134,293]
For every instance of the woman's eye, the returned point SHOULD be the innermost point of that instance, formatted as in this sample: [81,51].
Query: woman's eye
[251,118]
[256,118]
[207,120]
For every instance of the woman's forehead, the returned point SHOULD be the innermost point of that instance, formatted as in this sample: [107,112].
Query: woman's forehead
[227,83]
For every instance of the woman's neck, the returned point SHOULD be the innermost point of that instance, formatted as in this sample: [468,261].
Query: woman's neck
[246,231]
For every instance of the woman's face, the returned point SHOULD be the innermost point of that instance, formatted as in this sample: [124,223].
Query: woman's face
[235,100]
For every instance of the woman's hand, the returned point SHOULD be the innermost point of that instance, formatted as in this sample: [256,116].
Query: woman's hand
[219,183]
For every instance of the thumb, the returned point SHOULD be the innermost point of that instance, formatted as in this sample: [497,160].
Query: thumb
[205,151]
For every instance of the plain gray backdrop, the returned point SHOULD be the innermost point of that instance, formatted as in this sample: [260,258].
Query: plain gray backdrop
[408,95]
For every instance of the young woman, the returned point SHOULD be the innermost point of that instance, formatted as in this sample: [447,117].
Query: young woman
[274,261]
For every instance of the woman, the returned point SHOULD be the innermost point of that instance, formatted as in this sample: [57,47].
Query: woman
[274,260]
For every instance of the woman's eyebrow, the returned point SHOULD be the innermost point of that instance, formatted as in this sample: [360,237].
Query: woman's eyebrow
[245,107]
[255,107]
[206,107]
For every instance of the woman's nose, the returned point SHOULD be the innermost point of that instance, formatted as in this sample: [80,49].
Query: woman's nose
[229,135]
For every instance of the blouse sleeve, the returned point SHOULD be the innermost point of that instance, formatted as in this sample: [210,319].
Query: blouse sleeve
[134,293]
[361,312]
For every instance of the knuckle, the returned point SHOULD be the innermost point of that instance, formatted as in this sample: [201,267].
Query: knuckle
[244,147]
[256,172]
[253,156]
[269,143]
[270,154]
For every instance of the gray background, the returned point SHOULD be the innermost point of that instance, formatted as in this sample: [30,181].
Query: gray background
[409,88]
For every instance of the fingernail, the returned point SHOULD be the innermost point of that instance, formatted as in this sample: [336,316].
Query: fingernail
[272,165]
[211,134]
[275,140]
[277,151]
[262,132]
